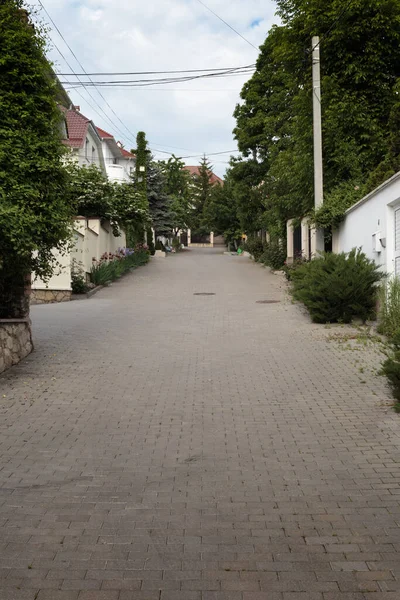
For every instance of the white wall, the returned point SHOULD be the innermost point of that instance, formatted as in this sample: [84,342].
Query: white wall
[368,221]
[91,241]
[61,280]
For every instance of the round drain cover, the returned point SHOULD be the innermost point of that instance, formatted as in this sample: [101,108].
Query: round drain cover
[204,294]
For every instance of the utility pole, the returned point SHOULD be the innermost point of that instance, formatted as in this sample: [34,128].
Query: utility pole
[318,234]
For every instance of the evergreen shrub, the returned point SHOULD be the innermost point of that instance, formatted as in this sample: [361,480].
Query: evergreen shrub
[255,247]
[338,287]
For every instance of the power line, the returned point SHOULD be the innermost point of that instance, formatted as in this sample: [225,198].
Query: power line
[161,81]
[83,69]
[227,24]
[154,72]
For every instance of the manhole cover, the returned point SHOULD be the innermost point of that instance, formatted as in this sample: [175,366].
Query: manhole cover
[268,302]
[204,294]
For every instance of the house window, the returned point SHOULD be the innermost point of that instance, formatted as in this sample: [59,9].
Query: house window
[115,161]
[87,148]
[93,154]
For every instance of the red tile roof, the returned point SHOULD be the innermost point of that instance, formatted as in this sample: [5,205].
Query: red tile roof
[103,134]
[126,154]
[77,126]
[214,179]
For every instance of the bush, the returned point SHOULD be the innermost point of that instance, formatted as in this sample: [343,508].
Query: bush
[255,247]
[159,245]
[389,307]
[274,256]
[296,264]
[78,280]
[176,244]
[391,368]
[338,287]
[150,242]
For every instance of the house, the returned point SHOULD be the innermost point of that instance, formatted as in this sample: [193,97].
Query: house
[82,137]
[191,238]
[373,224]
[92,238]
[119,163]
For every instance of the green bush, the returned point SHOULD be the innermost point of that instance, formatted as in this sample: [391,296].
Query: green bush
[274,256]
[176,244]
[389,307]
[78,280]
[338,287]
[391,368]
[255,247]
[150,242]
[159,245]
[296,264]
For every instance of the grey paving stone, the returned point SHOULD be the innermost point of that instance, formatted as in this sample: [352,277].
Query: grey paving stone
[163,446]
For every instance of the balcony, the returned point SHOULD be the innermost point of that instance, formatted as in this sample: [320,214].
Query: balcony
[117,173]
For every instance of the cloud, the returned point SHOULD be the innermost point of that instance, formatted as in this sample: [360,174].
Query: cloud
[129,35]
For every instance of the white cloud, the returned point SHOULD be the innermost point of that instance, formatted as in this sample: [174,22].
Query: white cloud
[132,35]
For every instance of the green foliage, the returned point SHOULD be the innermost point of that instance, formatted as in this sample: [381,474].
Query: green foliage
[360,62]
[201,188]
[159,202]
[220,214]
[391,368]
[176,244]
[150,242]
[78,280]
[177,187]
[274,255]
[14,303]
[93,195]
[289,268]
[389,307]
[109,269]
[338,287]
[332,212]
[142,158]
[255,247]
[35,215]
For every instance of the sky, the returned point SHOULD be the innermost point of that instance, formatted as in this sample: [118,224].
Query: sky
[186,118]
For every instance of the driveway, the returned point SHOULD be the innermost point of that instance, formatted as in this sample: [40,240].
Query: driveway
[163,445]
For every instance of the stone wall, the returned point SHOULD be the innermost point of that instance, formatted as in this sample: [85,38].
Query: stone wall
[15,341]
[50,296]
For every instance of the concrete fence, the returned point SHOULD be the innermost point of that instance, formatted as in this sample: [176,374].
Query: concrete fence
[91,240]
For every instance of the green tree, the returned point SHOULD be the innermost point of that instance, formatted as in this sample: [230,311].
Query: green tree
[35,214]
[360,63]
[200,192]
[93,195]
[158,199]
[220,212]
[177,186]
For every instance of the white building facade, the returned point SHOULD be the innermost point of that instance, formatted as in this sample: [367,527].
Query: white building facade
[373,224]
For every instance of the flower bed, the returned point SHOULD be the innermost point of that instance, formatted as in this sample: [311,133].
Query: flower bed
[112,266]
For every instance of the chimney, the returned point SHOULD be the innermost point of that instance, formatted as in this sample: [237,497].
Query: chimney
[78,108]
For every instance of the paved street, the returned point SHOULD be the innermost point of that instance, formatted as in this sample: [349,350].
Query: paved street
[160,445]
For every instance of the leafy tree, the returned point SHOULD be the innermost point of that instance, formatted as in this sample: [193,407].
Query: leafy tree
[200,192]
[220,212]
[360,63]
[35,214]
[177,186]
[93,195]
